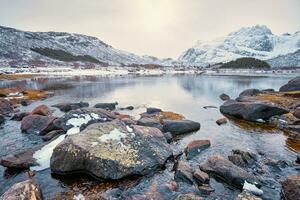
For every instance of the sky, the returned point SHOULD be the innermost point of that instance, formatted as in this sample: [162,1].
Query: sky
[161,28]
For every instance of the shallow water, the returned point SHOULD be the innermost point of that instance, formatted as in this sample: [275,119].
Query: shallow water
[184,94]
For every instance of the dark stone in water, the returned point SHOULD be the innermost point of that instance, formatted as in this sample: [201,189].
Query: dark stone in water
[179,127]
[221,121]
[250,92]
[146,121]
[224,97]
[243,158]
[66,107]
[168,137]
[206,107]
[2,119]
[183,172]
[127,108]
[106,106]
[53,134]
[201,177]
[153,110]
[19,116]
[25,103]
[5,107]
[195,147]
[37,124]
[292,85]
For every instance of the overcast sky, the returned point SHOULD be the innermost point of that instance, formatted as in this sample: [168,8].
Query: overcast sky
[162,28]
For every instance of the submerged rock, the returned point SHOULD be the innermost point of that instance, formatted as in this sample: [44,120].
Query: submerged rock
[183,172]
[179,127]
[292,85]
[41,110]
[106,106]
[224,97]
[242,158]
[251,111]
[27,190]
[66,107]
[5,107]
[221,121]
[153,110]
[111,151]
[226,171]
[195,147]
[19,116]
[291,187]
[37,124]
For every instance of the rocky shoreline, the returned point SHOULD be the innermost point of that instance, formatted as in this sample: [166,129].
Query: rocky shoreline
[107,145]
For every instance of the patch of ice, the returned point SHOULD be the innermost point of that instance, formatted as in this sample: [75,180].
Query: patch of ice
[43,155]
[115,134]
[78,197]
[129,129]
[261,120]
[252,189]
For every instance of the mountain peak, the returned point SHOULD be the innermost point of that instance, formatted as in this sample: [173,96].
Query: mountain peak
[254,30]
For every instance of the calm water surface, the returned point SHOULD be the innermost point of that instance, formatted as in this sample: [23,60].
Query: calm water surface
[185,94]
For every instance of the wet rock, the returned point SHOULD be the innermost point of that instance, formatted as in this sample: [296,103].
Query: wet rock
[53,134]
[19,116]
[250,92]
[201,177]
[146,121]
[161,116]
[226,171]
[296,113]
[295,128]
[291,187]
[268,90]
[298,159]
[27,190]
[251,111]
[37,124]
[66,107]
[295,105]
[224,97]
[179,127]
[292,85]
[242,158]
[206,189]
[5,107]
[127,108]
[168,137]
[153,110]
[247,196]
[106,106]
[25,102]
[183,172]
[111,151]
[188,197]
[112,194]
[221,121]
[206,107]
[41,110]
[195,147]
[2,119]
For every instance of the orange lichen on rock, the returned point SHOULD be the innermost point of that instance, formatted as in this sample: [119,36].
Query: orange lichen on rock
[16,95]
[282,99]
[168,115]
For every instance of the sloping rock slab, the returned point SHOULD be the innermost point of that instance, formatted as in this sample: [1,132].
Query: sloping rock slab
[111,151]
[292,85]
[226,171]
[251,111]
[26,190]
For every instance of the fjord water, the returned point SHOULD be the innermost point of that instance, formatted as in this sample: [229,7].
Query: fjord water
[184,94]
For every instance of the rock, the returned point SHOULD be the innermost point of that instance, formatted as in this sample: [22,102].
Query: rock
[168,137]
[160,116]
[25,102]
[127,108]
[295,128]
[188,197]
[292,85]
[146,121]
[247,196]
[42,110]
[2,119]
[19,116]
[5,107]
[153,110]
[295,105]
[278,164]
[291,187]
[224,97]
[106,106]
[296,113]
[111,151]
[195,147]
[298,159]
[201,177]
[178,127]
[183,172]
[27,190]
[66,107]
[250,92]
[206,107]
[206,189]
[251,111]
[37,124]
[53,134]
[268,90]
[242,158]
[226,171]
[111,194]
[221,121]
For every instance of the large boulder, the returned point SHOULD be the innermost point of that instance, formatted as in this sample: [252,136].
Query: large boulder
[226,171]
[66,107]
[251,111]
[27,190]
[292,85]
[5,107]
[37,124]
[291,188]
[41,110]
[249,92]
[111,151]
[179,127]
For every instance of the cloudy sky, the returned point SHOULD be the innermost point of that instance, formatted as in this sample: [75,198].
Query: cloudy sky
[162,28]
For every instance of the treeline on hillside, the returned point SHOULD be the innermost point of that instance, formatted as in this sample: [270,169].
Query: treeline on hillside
[64,56]
[246,63]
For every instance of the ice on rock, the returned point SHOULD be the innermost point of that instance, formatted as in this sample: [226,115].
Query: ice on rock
[252,189]
[115,135]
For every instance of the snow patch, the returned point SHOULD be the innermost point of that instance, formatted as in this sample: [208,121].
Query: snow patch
[115,135]
[252,188]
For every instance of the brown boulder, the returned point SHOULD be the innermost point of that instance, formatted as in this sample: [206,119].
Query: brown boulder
[195,147]
[37,124]
[221,121]
[42,110]
[53,134]
[5,107]
[19,116]
[201,177]
[296,113]
[183,172]
[291,187]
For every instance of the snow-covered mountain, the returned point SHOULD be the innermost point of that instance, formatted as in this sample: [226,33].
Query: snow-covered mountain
[46,48]
[257,41]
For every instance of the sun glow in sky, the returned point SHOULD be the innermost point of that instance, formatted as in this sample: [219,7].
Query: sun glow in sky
[162,28]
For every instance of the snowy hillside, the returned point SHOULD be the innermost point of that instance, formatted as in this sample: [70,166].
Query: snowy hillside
[46,48]
[257,41]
